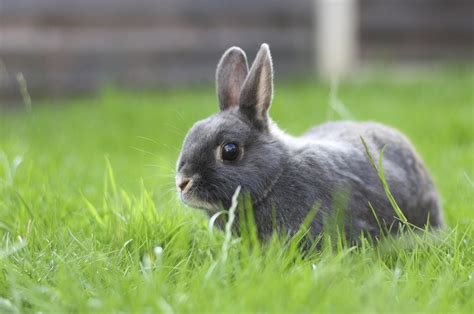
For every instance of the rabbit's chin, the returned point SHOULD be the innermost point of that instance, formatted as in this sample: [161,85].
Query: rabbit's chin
[192,201]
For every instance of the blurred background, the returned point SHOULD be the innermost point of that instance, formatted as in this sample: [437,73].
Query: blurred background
[68,47]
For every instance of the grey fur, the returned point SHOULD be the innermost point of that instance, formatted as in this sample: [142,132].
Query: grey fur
[288,175]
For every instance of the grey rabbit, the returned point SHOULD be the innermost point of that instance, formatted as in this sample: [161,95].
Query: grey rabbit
[287,176]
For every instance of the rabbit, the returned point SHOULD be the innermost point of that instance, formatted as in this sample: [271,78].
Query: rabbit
[287,176]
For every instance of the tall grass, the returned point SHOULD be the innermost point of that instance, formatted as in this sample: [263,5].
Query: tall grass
[89,224]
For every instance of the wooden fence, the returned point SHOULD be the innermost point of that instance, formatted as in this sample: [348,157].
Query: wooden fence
[64,46]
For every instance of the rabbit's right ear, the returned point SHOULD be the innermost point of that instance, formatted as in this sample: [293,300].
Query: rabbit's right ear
[257,91]
[230,76]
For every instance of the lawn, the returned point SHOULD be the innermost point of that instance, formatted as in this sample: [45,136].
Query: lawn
[90,220]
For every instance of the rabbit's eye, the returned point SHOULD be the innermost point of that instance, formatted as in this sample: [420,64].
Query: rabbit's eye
[230,151]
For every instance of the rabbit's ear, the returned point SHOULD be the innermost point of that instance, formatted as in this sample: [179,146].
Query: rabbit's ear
[230,76]
[257,92]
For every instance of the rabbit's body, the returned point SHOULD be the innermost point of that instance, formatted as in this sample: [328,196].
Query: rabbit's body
[286,176]
[329,167]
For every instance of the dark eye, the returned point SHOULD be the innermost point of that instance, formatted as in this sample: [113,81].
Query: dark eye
[230,151]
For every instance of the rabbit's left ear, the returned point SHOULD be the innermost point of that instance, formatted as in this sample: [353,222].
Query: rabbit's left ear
[257,91]
[230,76]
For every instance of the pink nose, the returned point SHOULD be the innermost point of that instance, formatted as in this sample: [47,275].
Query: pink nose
[183,183]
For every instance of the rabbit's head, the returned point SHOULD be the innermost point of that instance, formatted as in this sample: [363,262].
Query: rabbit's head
[235,146]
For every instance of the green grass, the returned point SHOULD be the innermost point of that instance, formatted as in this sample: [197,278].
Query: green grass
[90,221]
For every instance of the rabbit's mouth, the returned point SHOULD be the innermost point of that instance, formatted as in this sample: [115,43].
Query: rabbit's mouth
[190,198]
[197,203]
[192,193]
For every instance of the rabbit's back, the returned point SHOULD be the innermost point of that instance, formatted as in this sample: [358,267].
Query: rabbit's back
[406,174]
[348,134]
[351,131]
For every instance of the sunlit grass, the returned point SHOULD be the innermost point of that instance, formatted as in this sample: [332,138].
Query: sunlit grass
[90,221]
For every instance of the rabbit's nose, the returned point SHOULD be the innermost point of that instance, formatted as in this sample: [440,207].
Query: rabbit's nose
[183,183]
